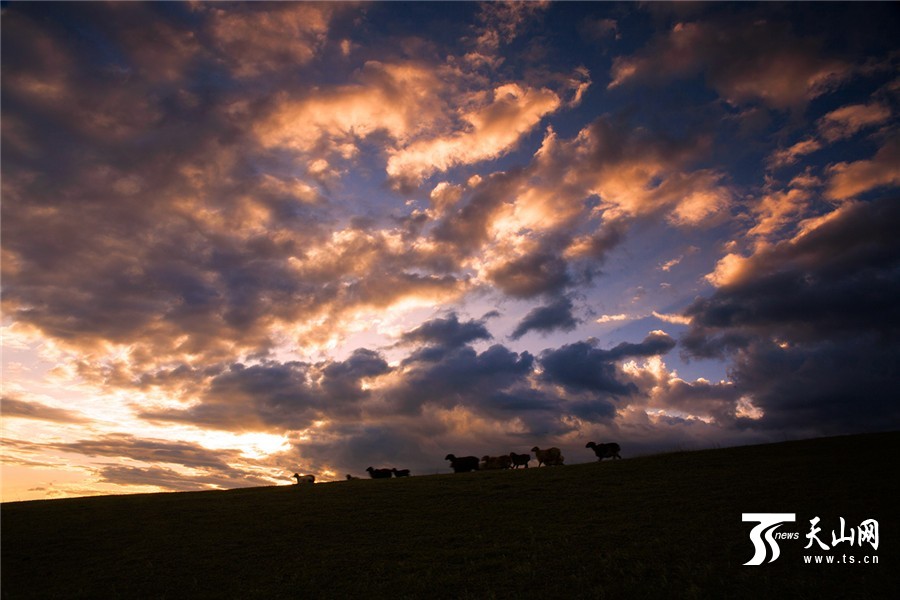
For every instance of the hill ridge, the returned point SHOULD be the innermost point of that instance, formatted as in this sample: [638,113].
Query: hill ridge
[666,525]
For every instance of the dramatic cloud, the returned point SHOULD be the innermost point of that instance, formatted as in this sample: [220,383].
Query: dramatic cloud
[635,173]
[809,322]
[255,41]
[847,180]
[848,120]
[791,155]
[581,366]
[401,100]
[448,332]
[273,396]
[743,61]
[493,130]
[557,315]
[243,240]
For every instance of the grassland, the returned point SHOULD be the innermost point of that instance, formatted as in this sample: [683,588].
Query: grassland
[665,526]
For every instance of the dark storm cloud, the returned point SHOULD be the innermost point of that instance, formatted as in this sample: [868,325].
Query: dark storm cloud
[838,279]
[187,251]
[274,395]
[341,381]
[266,394]
[445,374]
[458,376]
[811,324]
[255,398]
[744,57]
[195,194]
[465,228]
[552,317]
[447,332]
[352,447]
[583,367]
[105,207]
[532,275]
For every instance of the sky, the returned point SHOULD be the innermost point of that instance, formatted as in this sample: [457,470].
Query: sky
[245,240]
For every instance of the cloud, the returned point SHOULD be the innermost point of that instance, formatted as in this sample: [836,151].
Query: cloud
[804,286]
[120,445]
[808,322]
[599,29]
[582,367]
[401,100]
[669,264]
[791,155]
[541,272]
[447,332]
[274,396]
[846,180]
[672,318]
[459,376]
[13,406]
[667,396]
[444,196]
[744,60]
[255,41]
[547,227]
[552,317]
[170,479]
[779,208]
[613,318]
[502,22]
[491,131]
[635,173]
[848,120]
[205,209]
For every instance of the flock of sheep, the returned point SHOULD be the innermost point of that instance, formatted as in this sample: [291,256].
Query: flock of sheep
[550,457]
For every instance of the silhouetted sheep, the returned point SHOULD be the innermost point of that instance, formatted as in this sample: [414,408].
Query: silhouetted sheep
[379,473]
[463,464]
[400,473]
[610,450]
[519,460]
[351,477]
[495,462]
[549,457]
[303,479]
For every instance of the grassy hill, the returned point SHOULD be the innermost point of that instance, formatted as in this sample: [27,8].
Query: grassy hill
[661,526]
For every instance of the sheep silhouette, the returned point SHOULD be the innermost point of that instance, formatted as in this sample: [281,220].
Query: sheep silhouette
[519,460]
[550,456]
[379,473]
[610,450]
[462,464]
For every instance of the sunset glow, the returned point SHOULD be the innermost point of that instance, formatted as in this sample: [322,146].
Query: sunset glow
[244,240]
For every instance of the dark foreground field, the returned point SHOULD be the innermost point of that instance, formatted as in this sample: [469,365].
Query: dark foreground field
[662,526]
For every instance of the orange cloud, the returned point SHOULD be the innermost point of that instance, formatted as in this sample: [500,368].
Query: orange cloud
[779,208]
[634,174]
[401,100]
[789,156]
[257,41]
[848,120]
[730,269]
[847,180]
[491,131]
